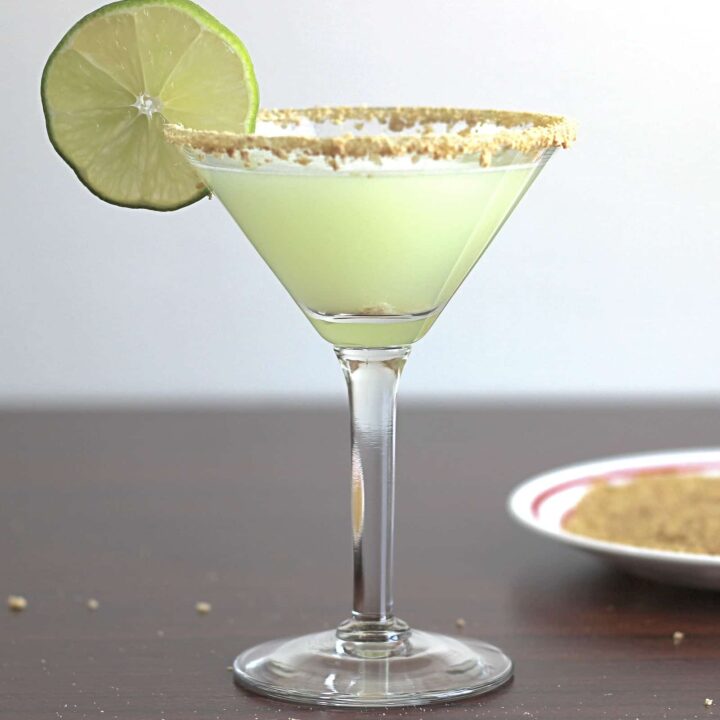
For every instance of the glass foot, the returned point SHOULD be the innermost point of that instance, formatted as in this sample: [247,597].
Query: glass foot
[319,669]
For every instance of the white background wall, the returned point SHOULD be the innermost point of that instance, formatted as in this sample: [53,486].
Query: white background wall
[606,280]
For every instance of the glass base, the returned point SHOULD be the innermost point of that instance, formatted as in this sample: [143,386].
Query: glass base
[320,669]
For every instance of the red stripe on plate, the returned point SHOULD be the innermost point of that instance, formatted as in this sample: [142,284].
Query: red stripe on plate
[545,494]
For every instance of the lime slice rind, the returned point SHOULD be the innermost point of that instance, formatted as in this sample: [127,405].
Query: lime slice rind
[86,102]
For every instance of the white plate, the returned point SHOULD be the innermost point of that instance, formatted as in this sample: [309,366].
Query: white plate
[542,502]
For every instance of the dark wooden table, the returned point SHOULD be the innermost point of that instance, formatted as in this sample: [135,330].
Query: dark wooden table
[150,512]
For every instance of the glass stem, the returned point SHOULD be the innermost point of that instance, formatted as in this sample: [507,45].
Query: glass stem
[372,376]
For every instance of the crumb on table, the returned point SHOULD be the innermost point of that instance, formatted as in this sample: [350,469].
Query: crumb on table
[203,608]
[16,603]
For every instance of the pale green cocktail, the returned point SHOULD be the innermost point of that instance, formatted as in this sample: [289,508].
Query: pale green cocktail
[370,257]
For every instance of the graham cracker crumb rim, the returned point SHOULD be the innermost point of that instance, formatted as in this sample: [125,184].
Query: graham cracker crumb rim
[525,132]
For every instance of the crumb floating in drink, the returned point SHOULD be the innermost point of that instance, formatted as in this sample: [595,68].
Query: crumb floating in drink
[678,637]
[16,603]
[92,604]
[673,512]
[203,608]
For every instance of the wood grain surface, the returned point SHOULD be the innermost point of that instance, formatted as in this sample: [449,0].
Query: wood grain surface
[150,512]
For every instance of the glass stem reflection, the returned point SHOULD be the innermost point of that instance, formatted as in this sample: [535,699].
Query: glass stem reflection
[372,376]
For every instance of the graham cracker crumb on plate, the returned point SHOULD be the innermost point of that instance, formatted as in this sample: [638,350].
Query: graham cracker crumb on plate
[678,512]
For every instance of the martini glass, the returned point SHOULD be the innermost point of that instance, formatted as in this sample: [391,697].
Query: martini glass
[371,218]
